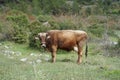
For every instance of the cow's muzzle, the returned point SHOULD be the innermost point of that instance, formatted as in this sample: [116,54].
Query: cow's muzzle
[43,44]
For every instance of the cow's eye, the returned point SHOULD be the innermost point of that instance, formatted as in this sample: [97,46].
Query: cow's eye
[39,38]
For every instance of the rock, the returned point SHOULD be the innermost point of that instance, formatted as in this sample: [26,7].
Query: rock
[33,54]
[6,47]
[38,61]
[18,53]
[23,59]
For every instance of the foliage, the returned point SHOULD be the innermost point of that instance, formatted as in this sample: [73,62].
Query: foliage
[54,24]
[20,35]
[19,21]
[92,16]
[97,30]
[57,7]
[18,17]
[42,24]
[118,45]
[35,28]
[6,31]
[67,25]
[44,18]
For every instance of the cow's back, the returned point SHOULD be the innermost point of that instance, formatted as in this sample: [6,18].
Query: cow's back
[63,39]
[80,35]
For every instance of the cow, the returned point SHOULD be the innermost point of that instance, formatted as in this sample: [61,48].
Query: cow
[68,40]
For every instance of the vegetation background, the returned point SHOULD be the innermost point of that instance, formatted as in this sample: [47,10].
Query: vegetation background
[21,20]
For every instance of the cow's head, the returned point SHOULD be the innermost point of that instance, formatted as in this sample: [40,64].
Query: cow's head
[42,38]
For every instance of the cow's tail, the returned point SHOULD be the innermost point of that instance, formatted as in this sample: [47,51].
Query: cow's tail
[86,50]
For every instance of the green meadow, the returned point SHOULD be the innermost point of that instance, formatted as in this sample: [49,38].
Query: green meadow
[37,65]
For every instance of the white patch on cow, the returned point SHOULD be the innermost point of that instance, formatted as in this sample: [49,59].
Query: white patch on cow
[43,45]
[42,34]
[76,49]
[48,37]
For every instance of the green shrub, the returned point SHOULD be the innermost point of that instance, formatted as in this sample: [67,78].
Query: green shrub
[20,34]
[96,30]
[67,25]
[35,28]
[118,45]
[20,22]
[44,18]
[6,31]
[1,37]
[54,25]
[17,17]
[39,26]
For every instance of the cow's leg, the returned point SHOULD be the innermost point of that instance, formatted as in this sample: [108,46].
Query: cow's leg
[79,56]
[80,49]
[53,54]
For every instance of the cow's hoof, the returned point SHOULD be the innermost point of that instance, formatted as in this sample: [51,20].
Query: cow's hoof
[53,61]
[78,62]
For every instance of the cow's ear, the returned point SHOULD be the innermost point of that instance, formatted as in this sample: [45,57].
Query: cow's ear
[36,38]
[39,34]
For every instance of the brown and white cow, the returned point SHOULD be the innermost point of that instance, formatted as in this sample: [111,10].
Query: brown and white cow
[64,39]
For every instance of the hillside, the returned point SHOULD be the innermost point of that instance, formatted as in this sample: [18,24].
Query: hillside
[22,58]
[21,20]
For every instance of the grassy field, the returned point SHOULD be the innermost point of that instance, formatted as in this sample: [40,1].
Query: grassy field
[19,62]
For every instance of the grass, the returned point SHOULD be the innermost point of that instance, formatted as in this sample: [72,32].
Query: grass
[95,67]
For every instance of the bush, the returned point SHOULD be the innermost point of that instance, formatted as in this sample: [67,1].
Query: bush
[44,18]
[1,37]
[67,25]
[20,22]
[96,30]
[35,28]
[118,45]
[54,25]
[6,31]
[43,24]
[112,49]
[20,34]
[18,18]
